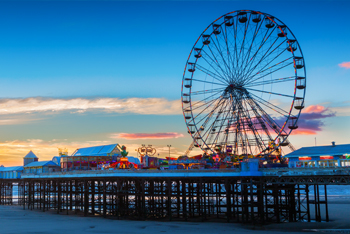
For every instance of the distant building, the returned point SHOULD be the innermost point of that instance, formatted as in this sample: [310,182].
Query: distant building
[320,156]
[91,158]
[11,172]
[41,167]
[29,158]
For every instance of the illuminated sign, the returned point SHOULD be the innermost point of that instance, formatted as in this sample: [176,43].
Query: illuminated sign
[326,157]
[305,158]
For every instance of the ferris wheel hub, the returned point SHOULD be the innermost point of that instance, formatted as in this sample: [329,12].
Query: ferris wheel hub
[232,87]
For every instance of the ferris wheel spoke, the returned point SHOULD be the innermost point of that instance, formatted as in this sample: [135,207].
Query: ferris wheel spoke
[256,31]
[250,72]
[265,55]
[234,125]
[248,122]
[229,57]
[212,126]
[272,72]
[235,37]
[279,94]
[208,82]
[234,54]
[225,109]
[236,132]
[258,139]
[207,91]
[272,81]
[223,120]
[203,104]
[262,43]
[252,59]
[270,121]
[282,62]
[241,52]
[208,115]
[245,120]
[211,111]
[211,74]
[269,105]
[259,119]
[218,48]
[216,61]
[206,99]
[231,118]
[218,74]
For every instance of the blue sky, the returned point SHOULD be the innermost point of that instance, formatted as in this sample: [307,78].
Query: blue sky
[96,50]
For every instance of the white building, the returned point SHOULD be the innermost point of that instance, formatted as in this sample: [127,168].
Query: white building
[320,156]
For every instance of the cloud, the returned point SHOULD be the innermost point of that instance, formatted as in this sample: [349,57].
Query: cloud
[137,136]
[144,106]
[300,131]
[345,65]
[311,120]
[13,121]
[314,109]
[343,110]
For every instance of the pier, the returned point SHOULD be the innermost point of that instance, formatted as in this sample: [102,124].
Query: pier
[222,196]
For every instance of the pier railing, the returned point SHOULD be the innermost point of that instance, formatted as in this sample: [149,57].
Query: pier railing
[233,172]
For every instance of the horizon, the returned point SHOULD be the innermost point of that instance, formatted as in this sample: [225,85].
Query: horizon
[80,74]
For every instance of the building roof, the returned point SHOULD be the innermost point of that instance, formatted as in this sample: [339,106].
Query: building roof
[30,155]
[320,151]
[101,150]
[17,168]
[41,164]
[57,160]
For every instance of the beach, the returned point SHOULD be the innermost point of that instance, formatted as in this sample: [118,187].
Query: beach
[13,220]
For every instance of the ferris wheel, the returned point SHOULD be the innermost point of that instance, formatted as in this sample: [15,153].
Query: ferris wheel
[244,84]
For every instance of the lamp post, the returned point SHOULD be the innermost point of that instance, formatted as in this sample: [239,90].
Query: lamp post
[169,150]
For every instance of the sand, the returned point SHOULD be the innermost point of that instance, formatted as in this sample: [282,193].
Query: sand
[14,219]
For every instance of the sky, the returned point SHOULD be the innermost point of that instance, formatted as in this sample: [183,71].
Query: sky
[82,73]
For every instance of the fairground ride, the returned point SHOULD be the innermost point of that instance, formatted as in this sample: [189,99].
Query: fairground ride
[243,86]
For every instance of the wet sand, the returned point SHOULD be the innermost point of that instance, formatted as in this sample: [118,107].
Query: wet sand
[14,219]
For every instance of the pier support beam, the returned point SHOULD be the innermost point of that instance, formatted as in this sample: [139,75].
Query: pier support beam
[232,199]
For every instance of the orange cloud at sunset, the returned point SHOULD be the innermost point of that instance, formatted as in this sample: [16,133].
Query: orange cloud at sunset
[314,109]
[136,136]
[345,65]
[304,132]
